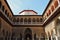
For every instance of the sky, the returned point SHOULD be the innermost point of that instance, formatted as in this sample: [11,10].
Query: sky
[19,5]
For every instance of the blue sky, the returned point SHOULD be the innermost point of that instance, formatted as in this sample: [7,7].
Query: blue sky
[19,5]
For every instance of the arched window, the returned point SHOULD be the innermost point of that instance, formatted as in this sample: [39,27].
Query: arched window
[28,34]
[6,12]
[21,20]
[10,17]
[14,19]
[41,19]
[29,20]
[25,20]
[0,4]
[37,19]
[3,8]
[17,19]
[49,12]
[45,17]
[52,8]
[33,20]
[56,4]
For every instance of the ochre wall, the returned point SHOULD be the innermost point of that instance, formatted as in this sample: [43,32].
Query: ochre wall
[5,26]
[37,30]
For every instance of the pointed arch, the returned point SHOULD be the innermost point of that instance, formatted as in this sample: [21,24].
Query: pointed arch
[56,3]
[28,34]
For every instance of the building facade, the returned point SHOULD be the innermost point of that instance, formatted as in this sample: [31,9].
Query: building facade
[28,25]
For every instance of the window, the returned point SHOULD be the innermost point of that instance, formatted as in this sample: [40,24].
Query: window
[33,19]
[45,17]
[3,8]
[21,20]
[52,8]
[25,20]
[29,20]
[41,19]
[28,34]
[10,17]
[14,19]
[17,19]
[37,19]
[49,12]
[56,4]
[6,12]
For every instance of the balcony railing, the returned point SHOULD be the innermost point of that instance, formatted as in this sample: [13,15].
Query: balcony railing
[28,23]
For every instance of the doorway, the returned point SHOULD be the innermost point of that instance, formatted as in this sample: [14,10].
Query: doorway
[28,34]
